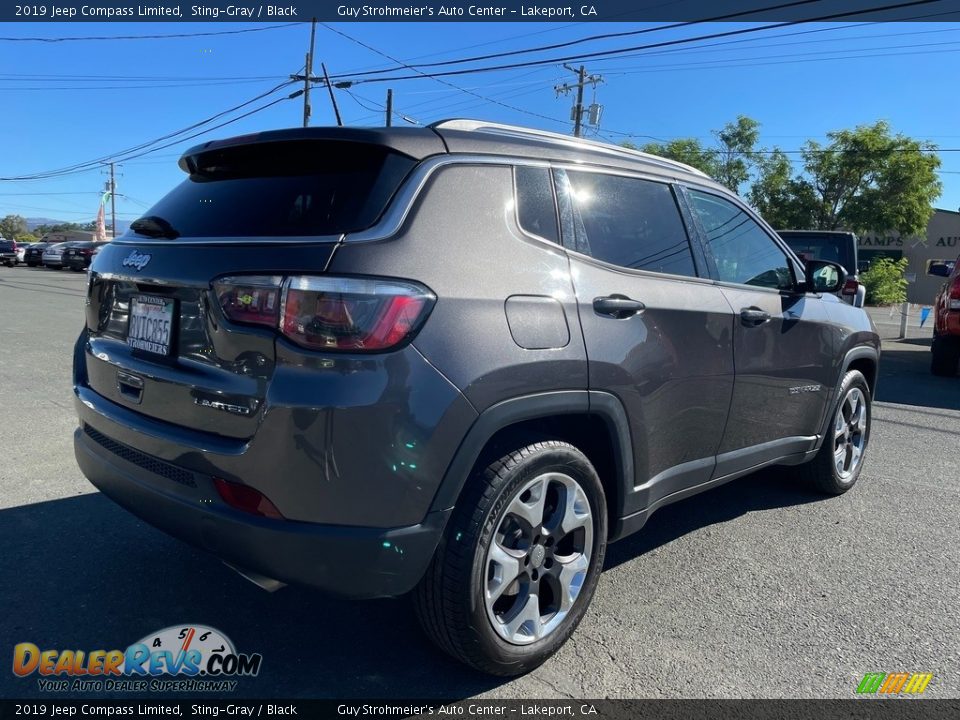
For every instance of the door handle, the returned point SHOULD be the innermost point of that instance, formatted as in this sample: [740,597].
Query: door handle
[751,316]
[617,306]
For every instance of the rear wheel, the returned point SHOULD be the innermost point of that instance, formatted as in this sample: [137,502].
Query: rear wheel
[944,355]
[836,467]
[519,562]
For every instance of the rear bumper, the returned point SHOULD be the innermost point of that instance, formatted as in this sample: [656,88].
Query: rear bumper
[349,561]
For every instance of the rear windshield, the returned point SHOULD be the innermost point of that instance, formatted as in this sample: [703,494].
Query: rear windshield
[6,245]
[284,189]
[817,246]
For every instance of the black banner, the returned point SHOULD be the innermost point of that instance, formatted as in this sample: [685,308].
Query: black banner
[563,11]
[865,709]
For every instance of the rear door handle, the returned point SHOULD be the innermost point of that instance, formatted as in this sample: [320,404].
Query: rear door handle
[751,316]
[617,306]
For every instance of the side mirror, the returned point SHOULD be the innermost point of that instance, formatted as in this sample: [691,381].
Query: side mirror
[939,269]
[823,276]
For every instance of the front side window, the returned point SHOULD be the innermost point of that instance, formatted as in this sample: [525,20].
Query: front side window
[743,251]
[629,222]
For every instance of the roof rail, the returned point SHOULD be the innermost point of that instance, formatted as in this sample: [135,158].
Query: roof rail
[518,131]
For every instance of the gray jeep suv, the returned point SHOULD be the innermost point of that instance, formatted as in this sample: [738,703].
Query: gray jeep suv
[456,360]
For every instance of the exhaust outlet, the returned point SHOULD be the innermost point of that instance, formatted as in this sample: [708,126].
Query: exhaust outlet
[261,581]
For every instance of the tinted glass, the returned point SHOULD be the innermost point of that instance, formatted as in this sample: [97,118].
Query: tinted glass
[631,222]
[284,189]
[743,251]
[6,245]
[818,246]
[536,210]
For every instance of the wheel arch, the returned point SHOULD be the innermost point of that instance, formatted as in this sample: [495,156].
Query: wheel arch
[865,359]
[594,422]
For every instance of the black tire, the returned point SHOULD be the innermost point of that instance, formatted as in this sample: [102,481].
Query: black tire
[822,471]
[451,601]
[944,355]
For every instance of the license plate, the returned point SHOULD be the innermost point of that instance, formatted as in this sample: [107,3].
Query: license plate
[151,324]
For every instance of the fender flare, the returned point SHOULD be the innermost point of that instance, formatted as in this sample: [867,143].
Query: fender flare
[856,353]
[603,405]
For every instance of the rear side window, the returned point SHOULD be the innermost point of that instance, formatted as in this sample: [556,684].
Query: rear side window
[536,210]
[630,222]
[284,189]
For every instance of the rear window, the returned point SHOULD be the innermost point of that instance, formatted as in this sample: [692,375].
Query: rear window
[6,245]
[284,189]
[817,246]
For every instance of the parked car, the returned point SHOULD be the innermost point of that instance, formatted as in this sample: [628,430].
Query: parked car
[34,253]
[945,349]
[456,361]
[77,257]
[839,247]
[53,255]
[8,252]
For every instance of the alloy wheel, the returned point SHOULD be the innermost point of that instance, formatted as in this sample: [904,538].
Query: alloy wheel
[538,558]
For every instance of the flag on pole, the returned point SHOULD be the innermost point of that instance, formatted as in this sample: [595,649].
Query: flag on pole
[101,220]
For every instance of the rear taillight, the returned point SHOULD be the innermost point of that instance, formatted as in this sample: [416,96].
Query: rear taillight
[328,313]
[850,287]
[352,314]
[954,301]
[253,299]
[247,499]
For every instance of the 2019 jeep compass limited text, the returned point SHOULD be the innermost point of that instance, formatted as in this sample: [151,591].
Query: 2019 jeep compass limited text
[455,360]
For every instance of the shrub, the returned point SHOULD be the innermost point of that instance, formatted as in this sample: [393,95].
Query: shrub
[884,281]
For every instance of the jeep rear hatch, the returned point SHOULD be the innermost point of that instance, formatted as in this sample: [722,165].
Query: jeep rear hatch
[183,312]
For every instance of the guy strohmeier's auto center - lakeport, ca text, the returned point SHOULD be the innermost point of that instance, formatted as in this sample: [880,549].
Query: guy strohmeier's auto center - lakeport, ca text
[455,11]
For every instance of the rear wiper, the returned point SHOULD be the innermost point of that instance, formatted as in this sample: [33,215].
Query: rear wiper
[154,226]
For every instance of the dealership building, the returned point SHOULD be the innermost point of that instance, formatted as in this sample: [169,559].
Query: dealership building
[942,242]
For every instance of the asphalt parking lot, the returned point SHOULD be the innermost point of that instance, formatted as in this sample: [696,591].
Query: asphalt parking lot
[756,589]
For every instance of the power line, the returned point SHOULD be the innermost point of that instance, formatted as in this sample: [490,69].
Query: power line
[126,154]
[620,51]
[145,37]
[591,38]
[443,82]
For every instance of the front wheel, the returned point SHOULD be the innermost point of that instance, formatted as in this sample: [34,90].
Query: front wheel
[836,467]
[519,562]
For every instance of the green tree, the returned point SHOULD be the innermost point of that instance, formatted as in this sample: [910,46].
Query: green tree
[869,179]
[885,282]
[25,238]
[737,153]
[781,199]
[730,162]
[689,151]
[12,225]
[41,230]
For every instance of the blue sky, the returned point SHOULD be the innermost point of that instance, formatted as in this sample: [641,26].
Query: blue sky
[58,110]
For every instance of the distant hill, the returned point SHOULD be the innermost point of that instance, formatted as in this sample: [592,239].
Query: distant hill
[33,222]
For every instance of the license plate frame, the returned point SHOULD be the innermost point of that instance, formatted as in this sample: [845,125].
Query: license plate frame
[150,327]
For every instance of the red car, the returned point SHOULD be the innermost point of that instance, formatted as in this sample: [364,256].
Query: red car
[946,315]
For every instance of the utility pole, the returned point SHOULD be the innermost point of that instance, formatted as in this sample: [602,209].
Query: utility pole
[578,109]
[389,107]
[113,202]
[308,73]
